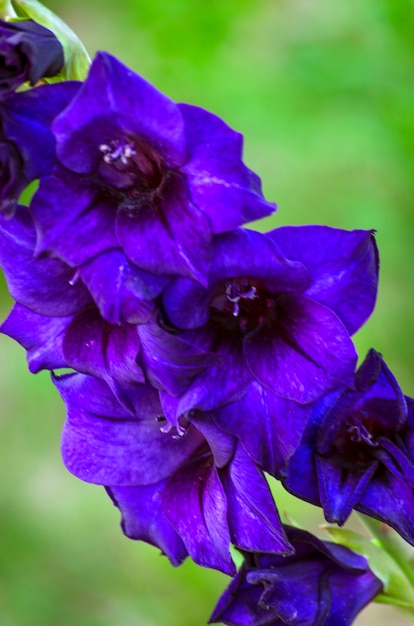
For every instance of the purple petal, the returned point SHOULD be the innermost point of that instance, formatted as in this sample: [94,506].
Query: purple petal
[143,518]
[26,120]
[304,353]
[343,266]
[114,94]
[122,292]
[43,285]
[253,519]
[268,426]
[249,253]
[218,384]
[186,303]
[41,336]
[219,183]
[339,489]
[92,395]
[109,351]
[195,503]
[171,362]
[167,234]
[390,500]
[220,443]
[72,222]
[116,452]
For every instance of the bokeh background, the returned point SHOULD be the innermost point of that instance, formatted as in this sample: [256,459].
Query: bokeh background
[323,92]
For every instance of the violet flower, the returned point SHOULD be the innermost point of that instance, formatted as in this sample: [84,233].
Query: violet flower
[279,310]
[322,583]
[57,317]
[28,52]
[358,452]
[135,170]
[188,490]
[27,145]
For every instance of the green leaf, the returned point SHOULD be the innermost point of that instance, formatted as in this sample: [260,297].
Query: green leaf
[77,60]
[6,10]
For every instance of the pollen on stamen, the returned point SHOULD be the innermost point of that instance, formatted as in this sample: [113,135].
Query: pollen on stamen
[74,278]
[235,293]
[117,151]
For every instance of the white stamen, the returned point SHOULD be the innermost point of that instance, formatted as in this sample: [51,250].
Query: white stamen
[239,295]
[118,150]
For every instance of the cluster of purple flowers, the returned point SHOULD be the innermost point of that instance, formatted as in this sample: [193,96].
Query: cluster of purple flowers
[201,354]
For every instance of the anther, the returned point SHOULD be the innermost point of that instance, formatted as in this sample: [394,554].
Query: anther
[118,150]
[234,294]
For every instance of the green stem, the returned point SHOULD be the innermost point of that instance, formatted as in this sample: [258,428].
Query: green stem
[391,542]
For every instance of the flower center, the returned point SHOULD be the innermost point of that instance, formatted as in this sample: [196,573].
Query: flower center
[176,432]
[117,150]
[242,304]
[133,163]
[357,441]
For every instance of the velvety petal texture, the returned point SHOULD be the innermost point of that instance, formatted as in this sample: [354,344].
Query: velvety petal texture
[201,354]
[358,452]
[27,144]
[138,174]
[188,488]
[271,316]
[343,268]
[321,583]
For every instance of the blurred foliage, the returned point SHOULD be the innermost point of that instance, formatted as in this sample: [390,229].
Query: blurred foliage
[323,93]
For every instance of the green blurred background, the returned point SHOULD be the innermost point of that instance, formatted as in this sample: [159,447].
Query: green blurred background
[323,93]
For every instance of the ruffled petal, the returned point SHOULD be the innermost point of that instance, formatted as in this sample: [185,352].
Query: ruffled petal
[219,182]
[343,266]
[249,253]
[143,518]
[113,95]
[122,292]
[195,503]
[109,351]
[122,452]
[43,285]
[253,519]
[41,336]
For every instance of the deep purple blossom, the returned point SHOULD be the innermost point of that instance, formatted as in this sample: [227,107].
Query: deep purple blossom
[358,452]
[60,316]
[28,52]
[137,171]
[278,310]
[27,145]
[321,584]
[189,489]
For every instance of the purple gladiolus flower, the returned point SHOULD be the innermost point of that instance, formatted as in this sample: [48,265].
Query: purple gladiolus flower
[28,52]
[189,489]
[322,583]
[137,171]
[279,310]
[61,317]
[27,145]
[358,452]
